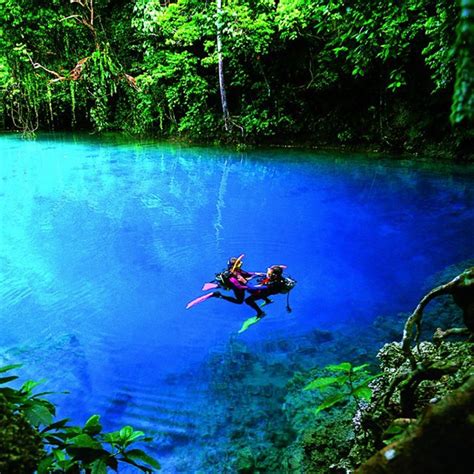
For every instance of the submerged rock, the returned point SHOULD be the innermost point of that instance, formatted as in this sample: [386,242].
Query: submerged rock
[402,397]
[440,443]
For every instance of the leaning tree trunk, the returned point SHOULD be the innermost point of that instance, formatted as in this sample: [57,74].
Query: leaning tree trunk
[225,109]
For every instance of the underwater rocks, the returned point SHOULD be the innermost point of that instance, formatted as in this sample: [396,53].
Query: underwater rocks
[403,398]
[258,417]
[411,402]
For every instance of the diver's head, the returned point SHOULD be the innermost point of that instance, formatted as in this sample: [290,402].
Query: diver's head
[234,263]
[275,271]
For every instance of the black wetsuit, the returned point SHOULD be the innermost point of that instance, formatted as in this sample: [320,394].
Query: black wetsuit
[262,292]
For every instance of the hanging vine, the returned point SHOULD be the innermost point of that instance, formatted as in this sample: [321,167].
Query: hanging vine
[94,78]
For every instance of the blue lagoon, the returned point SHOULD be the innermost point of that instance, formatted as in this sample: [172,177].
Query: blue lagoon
[102,244]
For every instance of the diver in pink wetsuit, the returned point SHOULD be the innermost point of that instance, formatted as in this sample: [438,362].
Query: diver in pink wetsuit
[235,278]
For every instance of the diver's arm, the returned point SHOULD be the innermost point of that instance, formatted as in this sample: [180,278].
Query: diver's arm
[258,287]
[237,284]
[249,275]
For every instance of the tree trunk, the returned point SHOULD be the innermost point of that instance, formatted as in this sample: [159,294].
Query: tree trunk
[225,109]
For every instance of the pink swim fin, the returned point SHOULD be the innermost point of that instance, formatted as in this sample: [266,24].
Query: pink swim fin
[199,300]
[209,286]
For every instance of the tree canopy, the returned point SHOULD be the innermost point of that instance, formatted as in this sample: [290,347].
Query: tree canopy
[338,71]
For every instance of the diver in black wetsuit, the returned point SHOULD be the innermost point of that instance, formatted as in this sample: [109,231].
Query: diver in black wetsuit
[272,284]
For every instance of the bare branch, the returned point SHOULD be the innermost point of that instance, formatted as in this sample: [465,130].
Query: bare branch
[132,82]
[76,17]
[415,319]
[40,66]
[76,72]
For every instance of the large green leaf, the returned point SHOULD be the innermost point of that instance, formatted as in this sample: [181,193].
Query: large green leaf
[37,414]
[330,401]
[13,396]
[342,367]
[126,432]
[324,382]
[85,441]
[113,437]
[363,392]
[92,421]
[8,379]
[93,425]
[59,455]
[135,435]
[128,435]
[72,431]
[139,455]
[29,385]
[6,368]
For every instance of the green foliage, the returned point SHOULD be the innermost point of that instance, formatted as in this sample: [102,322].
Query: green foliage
[462,110]
[293,68]
[394,432]
[48,46]
[350,383]
[374,36]
[71,448]
[21,447]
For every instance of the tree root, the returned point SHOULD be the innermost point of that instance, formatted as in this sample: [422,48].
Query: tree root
[437,444]
[461,288]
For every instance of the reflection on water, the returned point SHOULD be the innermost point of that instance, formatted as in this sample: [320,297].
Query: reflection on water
[102,245]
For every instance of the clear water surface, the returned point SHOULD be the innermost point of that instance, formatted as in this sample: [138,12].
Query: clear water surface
[103,243]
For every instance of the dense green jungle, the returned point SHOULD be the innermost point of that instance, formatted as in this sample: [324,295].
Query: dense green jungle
[380,75]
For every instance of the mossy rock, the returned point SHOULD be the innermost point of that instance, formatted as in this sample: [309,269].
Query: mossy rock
[245,461]
[329,442]
[438,443]
[21,448]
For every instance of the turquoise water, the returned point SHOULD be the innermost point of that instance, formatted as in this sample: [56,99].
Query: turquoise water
[102,244]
